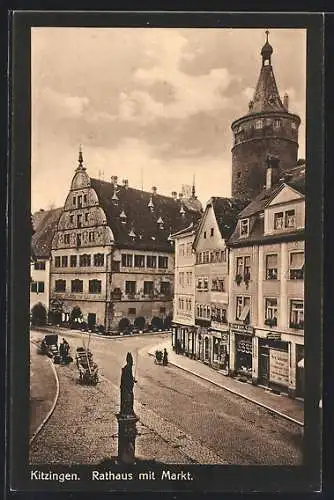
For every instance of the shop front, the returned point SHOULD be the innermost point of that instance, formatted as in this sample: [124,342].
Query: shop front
[243,356]
[203,344]
[299,371]
[220,350]
[273,361]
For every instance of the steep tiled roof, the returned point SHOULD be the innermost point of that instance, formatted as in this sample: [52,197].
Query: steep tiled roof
[266,96]
[45,224]
[151,228]
[226,212]
[294,178]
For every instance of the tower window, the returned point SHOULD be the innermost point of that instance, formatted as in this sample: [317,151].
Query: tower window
[277,123]
[293,125]
[239,175]
[259,124]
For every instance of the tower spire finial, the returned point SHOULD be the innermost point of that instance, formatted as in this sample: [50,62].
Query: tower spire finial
[193,191]
[267,32]
[80,156]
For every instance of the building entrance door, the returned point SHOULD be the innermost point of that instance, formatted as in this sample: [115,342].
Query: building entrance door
[264,366]
[91,321]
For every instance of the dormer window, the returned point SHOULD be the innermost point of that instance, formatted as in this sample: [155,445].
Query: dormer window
[278,220]
[244,227]
[259,124]
[290,218]
[285,220]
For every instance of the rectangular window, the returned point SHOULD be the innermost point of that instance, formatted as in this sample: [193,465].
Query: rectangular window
[258,124]
[243,268]
[40,287]
[99,259]
[76,286]
[271,312]
[71,219]
[244,227]
[199,284]
[85,198]
[278,220]
[165,288]
[86,217]
[148,287]
[94,286]
[67,239]
[277,123]
[39,266]
[78,240]
[218,285]
[80,201]
[139,260]
[33,286]
[64,261]
[79,220]
[163,262]
[127,260]
[74,200]
[271,267]
[212,231]
[130,287]
[151,261]
[91,236]
[243,309]
[57,261]
[290,219]
[296,268]
[132,310]
[297,314]
[73,261]
[181,279]
[60,285]
[84,260]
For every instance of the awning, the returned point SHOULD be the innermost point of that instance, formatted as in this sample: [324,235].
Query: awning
[244,313]
[300,363]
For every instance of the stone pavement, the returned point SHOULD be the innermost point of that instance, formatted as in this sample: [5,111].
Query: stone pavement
[291,409]
[43,388]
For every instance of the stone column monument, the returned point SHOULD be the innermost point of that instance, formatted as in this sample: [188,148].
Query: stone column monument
[127,419]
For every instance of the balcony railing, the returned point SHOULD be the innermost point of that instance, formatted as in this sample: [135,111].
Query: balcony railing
[297,326]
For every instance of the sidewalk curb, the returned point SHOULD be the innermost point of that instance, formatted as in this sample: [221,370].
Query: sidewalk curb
[99,336]
[48,415]
[272,410]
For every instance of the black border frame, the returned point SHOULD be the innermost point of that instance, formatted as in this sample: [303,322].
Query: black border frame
[230,478]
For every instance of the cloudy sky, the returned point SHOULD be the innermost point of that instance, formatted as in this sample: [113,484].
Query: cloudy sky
[152,105]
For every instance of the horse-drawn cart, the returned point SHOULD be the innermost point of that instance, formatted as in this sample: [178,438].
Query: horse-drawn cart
[88,369]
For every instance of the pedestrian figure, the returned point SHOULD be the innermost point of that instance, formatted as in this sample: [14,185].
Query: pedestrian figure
[127,383]
[165,358]
[62,352]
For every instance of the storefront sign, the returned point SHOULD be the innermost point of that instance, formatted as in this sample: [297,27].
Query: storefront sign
[244,329]
[244,345]
[274,336]
[221,327]
[279,367]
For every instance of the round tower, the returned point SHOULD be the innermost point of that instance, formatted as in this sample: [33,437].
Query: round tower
[268,129]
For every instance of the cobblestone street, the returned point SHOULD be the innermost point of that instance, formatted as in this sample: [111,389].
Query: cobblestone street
[182,419]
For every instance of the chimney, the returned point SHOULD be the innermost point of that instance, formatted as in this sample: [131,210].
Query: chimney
[269,176]
[180,196]
[286,101]
[174,194]
[154,190]
[272,163]
[125,183]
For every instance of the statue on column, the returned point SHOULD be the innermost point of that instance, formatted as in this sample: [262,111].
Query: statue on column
[127,383]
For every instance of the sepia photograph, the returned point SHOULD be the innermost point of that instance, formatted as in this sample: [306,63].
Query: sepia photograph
[167,225]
